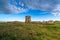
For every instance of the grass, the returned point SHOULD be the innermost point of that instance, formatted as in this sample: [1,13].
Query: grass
[29,31]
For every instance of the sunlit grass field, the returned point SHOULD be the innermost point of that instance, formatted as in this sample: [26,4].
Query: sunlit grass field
[29,31]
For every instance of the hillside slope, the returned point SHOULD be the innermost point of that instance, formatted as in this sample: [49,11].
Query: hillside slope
[29,31]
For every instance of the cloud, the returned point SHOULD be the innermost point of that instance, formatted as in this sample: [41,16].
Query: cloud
[56,11]
[3,6]
[15,9]
[44,5]
[7,8]
[10,6]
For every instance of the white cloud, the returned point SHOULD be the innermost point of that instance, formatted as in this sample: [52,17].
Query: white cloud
[45,5]
[56,10]
[52,6]
[15,9]
[22,4]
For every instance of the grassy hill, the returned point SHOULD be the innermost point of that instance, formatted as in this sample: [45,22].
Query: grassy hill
[29,31]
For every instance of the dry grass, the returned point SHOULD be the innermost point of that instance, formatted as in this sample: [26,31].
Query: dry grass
[29,31]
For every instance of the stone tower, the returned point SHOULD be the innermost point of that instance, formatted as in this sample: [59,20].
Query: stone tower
[27,19]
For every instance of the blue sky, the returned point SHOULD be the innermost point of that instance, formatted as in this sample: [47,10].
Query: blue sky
[39,10]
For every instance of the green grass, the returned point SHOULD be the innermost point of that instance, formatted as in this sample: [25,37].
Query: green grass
[29,31]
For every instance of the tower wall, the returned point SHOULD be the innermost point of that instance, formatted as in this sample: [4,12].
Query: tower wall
[27,19]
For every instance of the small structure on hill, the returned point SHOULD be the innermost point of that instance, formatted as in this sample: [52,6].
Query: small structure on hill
[27,19]
[50,21]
